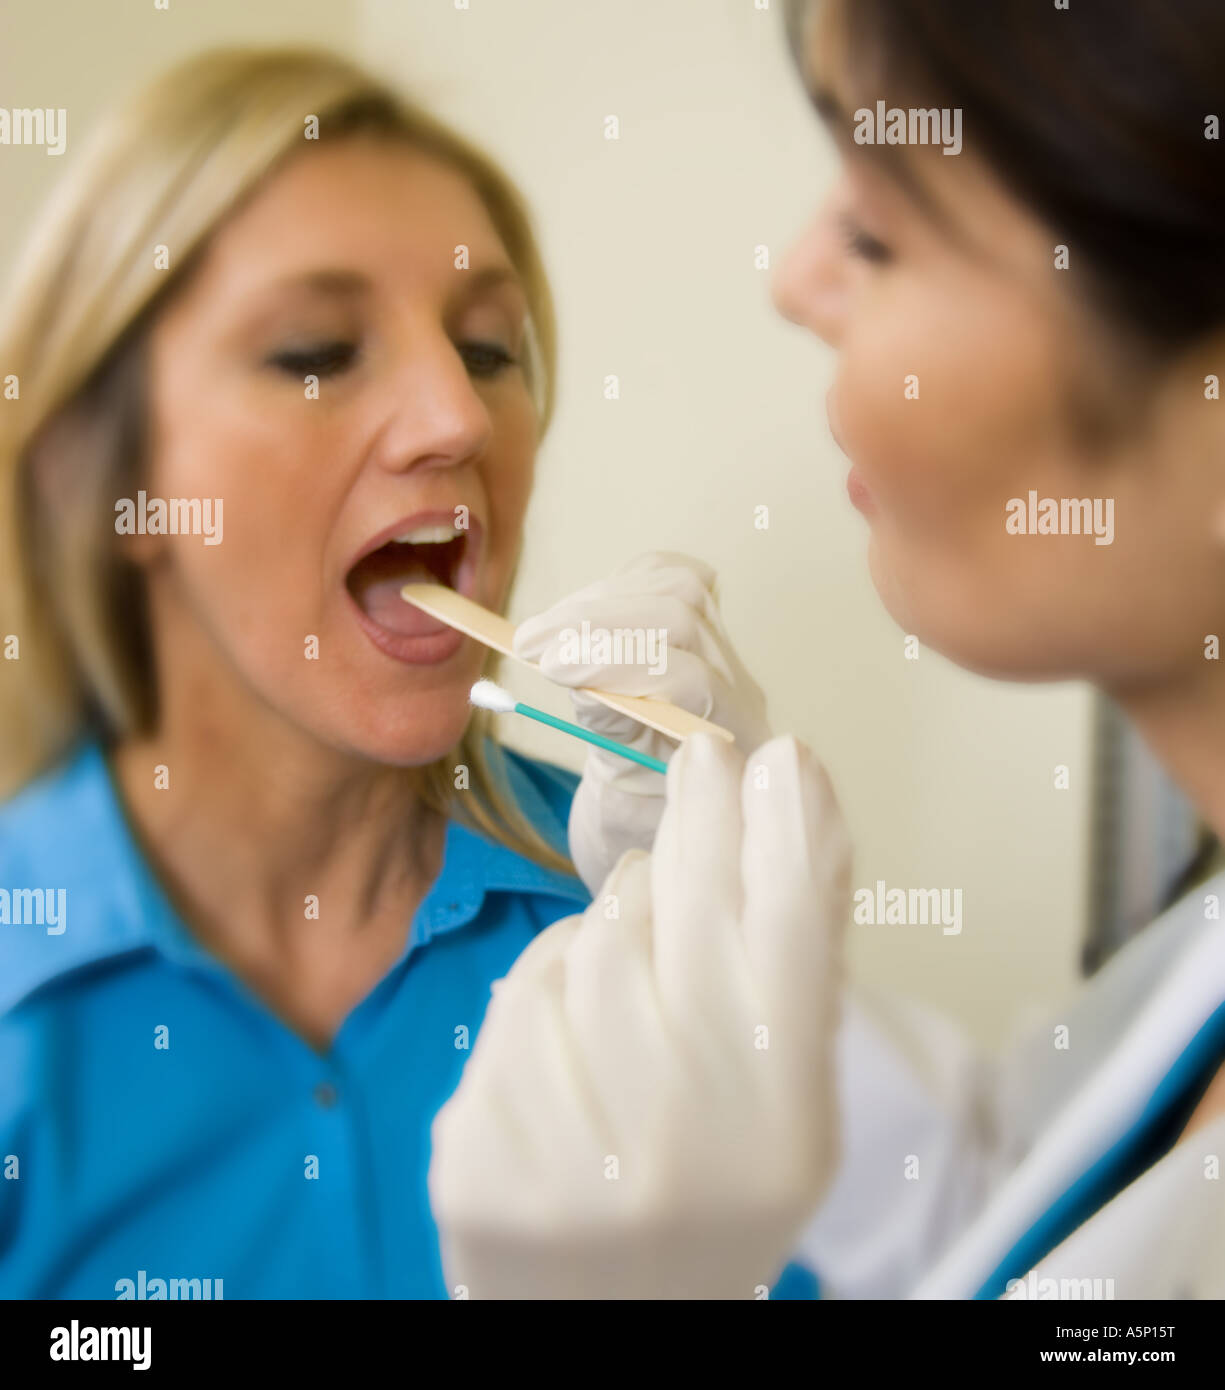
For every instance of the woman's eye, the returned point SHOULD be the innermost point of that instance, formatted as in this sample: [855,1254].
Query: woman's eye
[862,244]
[319,359]
[486,359]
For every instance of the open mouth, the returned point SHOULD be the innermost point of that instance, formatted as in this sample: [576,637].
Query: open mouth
[429,552]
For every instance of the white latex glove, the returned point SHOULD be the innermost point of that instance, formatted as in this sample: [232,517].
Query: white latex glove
[648,1110]
[618,803]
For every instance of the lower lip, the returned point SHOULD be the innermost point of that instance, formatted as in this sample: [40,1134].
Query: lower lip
[427,649]
[856,490]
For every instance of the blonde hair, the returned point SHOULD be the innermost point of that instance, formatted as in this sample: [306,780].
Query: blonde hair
[166,169]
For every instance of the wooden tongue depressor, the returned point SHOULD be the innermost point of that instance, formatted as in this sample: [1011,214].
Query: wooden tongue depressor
[498,632]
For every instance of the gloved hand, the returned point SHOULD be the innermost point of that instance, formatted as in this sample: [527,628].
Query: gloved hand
[648,1110]
[618,803]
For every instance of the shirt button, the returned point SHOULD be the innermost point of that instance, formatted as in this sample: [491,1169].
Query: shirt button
[326,1094]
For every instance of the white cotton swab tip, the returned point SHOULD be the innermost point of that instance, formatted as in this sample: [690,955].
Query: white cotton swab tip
[490,695]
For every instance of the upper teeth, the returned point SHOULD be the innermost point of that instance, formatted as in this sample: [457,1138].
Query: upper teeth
[429,535]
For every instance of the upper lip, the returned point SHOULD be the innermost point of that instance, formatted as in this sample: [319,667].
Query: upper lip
[434,517]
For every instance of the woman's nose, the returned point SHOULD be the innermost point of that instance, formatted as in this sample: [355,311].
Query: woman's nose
[435,414]
[809,285]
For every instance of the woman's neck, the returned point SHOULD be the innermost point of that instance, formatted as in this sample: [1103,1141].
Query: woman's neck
[295,865]
[270,811]
[1183,722]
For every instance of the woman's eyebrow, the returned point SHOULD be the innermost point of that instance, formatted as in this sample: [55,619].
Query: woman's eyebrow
[336,282]
[269,303]
[347,285]
[350,283]
[491,277]
[884,158]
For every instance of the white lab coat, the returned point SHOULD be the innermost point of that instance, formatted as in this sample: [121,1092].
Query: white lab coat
[949,1158]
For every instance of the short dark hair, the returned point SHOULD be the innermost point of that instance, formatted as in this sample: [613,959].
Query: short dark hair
[1096,117]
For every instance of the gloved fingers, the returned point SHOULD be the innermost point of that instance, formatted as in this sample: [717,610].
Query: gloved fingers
[613,1009]
[609,603]
[739,708]
[795,868]
[597,641]
[476,1149]
[745,699]
[694,687]
[525,1054]
[593,714]
[540,952]
[518,1022]
[689,683]
[695,882]
[610,815]
[671,563]
[693,581]
[641,581]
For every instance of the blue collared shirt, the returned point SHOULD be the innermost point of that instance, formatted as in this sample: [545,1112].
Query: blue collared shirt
[159,1123]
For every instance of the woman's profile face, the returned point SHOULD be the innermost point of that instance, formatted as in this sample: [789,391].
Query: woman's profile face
[341,267]
[970,375]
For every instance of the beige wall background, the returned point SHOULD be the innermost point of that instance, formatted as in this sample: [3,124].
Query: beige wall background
[947,780]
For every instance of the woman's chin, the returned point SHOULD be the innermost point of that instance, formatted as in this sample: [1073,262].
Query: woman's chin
[962,631]
[424,743]
[414,734]
[893,596]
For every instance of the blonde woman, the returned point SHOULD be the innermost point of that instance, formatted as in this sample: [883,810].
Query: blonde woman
[284,342]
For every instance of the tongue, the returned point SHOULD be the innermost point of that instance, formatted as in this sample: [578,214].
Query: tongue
[376,584]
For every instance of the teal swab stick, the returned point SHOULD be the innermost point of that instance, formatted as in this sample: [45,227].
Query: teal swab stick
[489,695]
[589,737]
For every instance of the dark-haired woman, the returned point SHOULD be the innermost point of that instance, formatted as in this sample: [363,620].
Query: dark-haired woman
[1035,312]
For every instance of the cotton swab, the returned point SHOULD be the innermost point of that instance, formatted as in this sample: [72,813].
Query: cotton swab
[489,695]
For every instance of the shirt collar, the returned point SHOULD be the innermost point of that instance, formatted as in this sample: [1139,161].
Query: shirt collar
[69,831]
[472,867]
